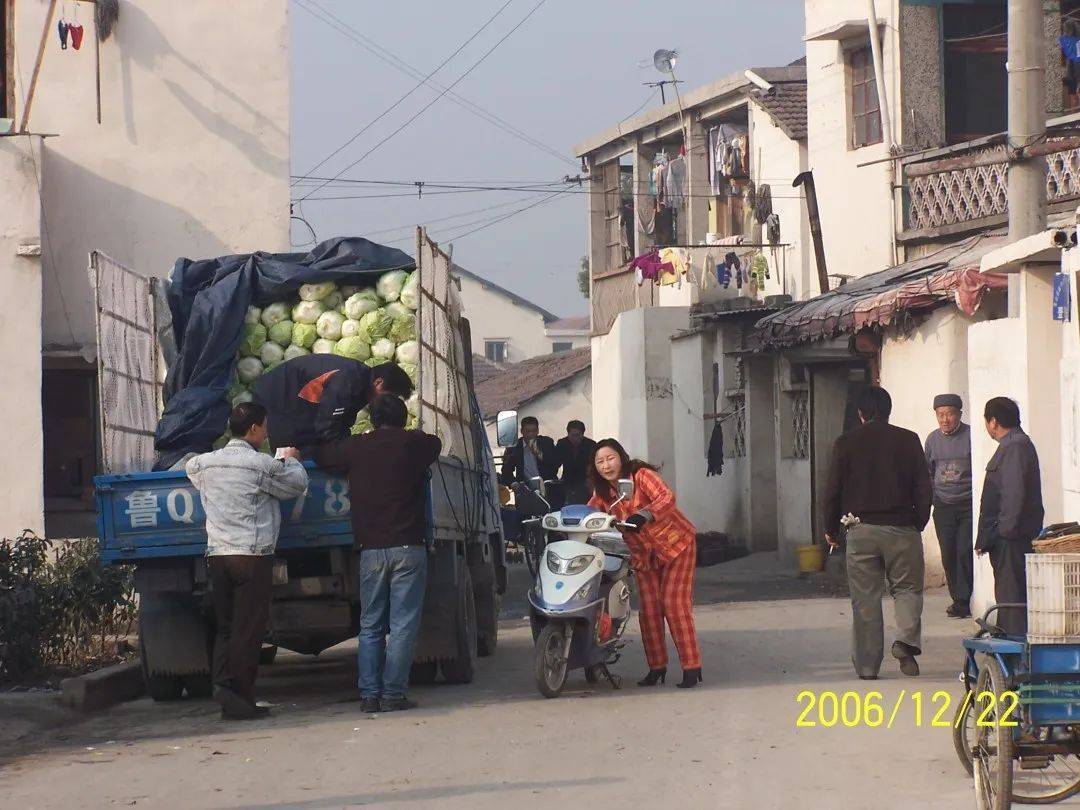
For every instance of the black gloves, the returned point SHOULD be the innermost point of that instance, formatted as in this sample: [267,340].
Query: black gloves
[636,521]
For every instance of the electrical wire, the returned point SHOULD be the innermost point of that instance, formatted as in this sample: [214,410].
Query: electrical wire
[423,80]
[435,100]
[342,27]
[446,218]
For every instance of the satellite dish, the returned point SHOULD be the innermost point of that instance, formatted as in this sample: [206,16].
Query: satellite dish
[664,61]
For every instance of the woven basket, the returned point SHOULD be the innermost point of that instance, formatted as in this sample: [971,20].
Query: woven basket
[1069,544]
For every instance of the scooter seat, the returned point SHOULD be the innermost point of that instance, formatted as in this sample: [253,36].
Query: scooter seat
[615,568]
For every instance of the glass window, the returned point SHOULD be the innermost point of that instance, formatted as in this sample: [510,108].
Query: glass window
[559,346]
[865,111]
[495,350]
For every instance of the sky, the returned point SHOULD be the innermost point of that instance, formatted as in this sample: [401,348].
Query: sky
[569,71]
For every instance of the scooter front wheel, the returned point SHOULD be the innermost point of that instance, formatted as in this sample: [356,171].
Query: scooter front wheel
[551,661]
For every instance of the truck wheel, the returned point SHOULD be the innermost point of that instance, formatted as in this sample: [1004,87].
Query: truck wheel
[267,654]
[199,686]
[161,687]
[487,621]
[462,668]
[423,673]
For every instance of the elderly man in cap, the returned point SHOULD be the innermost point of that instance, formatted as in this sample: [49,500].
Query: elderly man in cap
[948,452]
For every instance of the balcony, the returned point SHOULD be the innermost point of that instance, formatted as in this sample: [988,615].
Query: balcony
[963,188]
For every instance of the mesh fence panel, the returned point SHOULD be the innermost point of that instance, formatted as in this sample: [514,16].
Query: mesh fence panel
[128,369]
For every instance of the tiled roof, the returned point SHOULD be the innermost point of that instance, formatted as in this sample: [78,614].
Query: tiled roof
[578,324]
[484,369]
[786,105]
[522,382]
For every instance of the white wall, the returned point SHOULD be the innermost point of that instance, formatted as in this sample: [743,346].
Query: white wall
[793,507]
[21,478]
[1070,397]
[577,340]
[782,160]
[555,407]
[493,316]
[856,210]
[192,155]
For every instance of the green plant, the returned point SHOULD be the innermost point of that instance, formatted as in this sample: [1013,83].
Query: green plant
[62,609]
[583,277]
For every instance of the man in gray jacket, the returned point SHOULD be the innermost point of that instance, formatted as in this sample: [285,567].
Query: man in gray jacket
[948,452]
[241,491]
[1011,512]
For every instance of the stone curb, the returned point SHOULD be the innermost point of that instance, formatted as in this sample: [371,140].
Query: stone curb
[103,688]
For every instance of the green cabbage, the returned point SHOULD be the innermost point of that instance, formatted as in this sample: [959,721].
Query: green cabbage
[292,352]
[363,423]
[253,339]
[349,290]
[329,325]
[376,325]
[253,315]
[398,310]
[323,346]
[271,355]
[243,396]
[389,285]
[350,328]
[360,304]
[413,371]
[316,292]
[307,311]
[408,353]
[304,335]
[383,348]
[374,361]
[353,347]
[412,404]
[410,291]
[334,300]
[275,313]
[281,333]
[404,329]
[249,369]
[235,390]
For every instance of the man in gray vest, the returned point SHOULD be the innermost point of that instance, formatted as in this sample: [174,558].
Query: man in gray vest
[948,452]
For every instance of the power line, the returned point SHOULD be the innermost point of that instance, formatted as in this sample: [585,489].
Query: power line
[431,103]
[342,27]
[446,218]
[413,89]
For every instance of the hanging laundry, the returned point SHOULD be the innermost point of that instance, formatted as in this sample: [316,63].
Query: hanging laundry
[730,270]
[763,204]
[679,260]
[676,182]
[772,229]
[759,270]
[714,458]
[664,227]
[649,266]
[727,154]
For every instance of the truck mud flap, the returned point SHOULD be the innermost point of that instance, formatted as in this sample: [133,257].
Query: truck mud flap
[175,635]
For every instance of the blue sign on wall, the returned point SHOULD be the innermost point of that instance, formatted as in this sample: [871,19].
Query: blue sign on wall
[1062,297]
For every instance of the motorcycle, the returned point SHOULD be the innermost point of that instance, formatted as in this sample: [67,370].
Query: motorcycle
[580,604]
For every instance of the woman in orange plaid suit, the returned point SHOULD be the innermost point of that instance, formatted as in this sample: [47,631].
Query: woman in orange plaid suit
[663,552]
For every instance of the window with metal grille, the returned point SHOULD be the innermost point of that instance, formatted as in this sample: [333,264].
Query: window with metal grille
[800,424]
[865,109]
[495,350]
[561,346]
[735,435]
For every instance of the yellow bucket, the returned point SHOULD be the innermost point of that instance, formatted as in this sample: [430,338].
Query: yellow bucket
[811,558]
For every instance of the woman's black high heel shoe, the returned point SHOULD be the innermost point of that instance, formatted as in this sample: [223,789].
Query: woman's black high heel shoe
[655,676]
[690,678]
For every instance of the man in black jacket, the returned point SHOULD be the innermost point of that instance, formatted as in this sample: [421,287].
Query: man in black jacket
[879,486]
[387,470]
[315,398]
[534,456]
[1011,511]
[575,454]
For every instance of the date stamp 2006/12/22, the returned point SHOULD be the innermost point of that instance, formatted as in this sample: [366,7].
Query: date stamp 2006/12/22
[849,709]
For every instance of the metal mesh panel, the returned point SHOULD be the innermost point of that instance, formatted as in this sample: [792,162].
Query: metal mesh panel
[612,295]
[800,424]
[129,379]
[445,407]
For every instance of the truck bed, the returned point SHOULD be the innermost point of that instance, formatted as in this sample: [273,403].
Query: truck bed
[150,515]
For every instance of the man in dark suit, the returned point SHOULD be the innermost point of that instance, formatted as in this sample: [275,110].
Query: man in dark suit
[575,455]
[534,456]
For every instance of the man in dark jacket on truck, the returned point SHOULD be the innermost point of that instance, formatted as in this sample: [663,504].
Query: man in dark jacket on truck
[315,398]
[1011,511]
[387,470]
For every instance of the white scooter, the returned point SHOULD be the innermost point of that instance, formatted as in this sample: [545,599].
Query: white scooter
[580,605]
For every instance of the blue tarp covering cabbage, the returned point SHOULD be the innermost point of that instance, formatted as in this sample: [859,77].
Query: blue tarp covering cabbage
[208,300]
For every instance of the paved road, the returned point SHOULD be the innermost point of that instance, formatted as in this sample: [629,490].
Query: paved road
[496,743]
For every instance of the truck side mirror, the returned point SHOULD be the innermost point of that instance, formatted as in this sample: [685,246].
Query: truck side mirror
[506,428]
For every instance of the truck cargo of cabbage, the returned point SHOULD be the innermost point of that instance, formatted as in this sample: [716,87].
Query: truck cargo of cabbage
[371,324]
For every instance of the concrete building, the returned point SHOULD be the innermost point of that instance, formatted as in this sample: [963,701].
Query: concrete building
[506,328]
[567,334]
[187,154]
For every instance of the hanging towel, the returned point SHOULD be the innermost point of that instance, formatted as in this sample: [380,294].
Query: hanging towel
[763,204]
[715,456]
[772,229]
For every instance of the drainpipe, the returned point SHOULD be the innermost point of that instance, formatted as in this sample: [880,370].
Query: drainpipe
[807,179]
[886,119]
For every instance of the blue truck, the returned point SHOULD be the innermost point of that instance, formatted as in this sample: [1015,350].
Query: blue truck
[155,520]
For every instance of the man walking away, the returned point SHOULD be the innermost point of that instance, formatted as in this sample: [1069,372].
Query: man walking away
[387,471]
[1011,511]
[948,452]
[241,489]
[879,485]
[575,454]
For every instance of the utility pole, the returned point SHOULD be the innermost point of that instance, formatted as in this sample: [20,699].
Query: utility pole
[1027,118]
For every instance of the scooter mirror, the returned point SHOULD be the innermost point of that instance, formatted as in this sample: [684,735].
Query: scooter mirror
[506,428]
[626,488]
[537,485]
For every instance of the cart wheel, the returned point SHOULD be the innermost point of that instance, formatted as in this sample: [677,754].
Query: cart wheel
[963,731]
[992,753]
[1053,782]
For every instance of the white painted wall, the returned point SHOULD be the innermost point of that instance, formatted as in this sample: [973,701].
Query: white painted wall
[578,340]
[21,479]
[793,507]
[855,203]
[1070,397]
[782,159]
[555,407]
[192,155]
[494,316]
